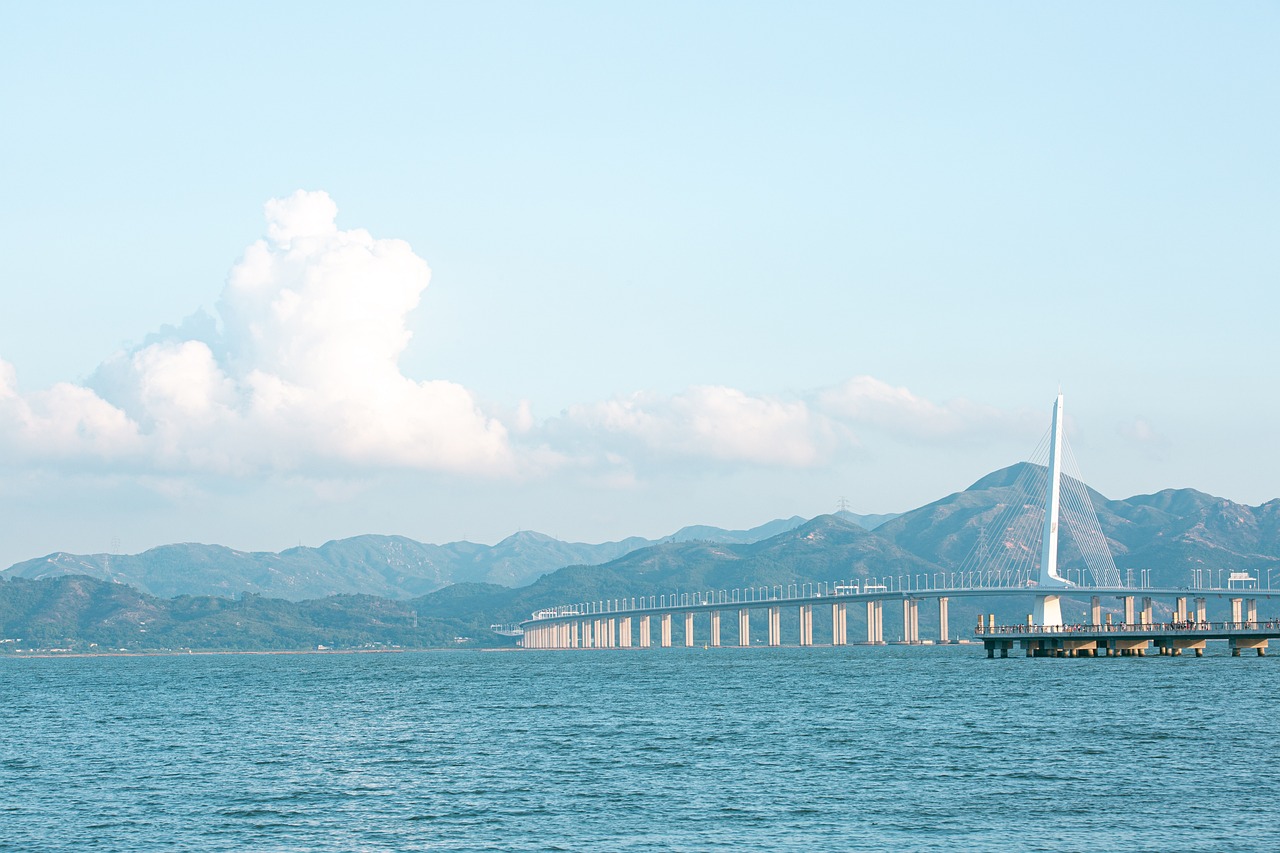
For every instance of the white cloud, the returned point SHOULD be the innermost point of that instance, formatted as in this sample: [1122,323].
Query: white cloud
[304,374]
[865,401]
[65,422]
[710,422]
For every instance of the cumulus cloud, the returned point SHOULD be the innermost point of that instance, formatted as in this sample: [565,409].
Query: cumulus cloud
[65,422]
[303,371]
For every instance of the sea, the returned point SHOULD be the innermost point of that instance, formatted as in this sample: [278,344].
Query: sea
[853,748]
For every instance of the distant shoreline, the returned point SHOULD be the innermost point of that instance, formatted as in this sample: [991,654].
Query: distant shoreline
[209,652]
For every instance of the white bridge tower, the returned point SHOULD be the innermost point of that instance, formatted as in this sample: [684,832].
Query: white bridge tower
[1047,609]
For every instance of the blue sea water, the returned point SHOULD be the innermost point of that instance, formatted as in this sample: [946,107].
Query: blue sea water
[792,749]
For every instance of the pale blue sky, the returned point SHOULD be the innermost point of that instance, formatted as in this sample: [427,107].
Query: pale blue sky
[972,203]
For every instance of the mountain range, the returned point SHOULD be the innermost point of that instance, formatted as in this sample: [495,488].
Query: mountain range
[388,566]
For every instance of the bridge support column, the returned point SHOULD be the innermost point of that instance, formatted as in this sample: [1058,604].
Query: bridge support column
[1236,615]
[624,632]
[744,627]
[666,630]
[1047,610]
[775,626]
[871,621]
[1251,610]
[915,621]
[942,620]
[839,625]
[715,629]
[611,633]
[906,620]
[1200,610]
[1095,610]
[645,637]
[1146,610]
[688,630]
[573,635]
[880,623]
[1180,609]
[1258,643]
[806,625]
[1128,609]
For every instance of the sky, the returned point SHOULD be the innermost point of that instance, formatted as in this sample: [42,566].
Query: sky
[275,274]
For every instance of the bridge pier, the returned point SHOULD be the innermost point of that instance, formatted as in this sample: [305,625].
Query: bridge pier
[1095,610]
[806,624]
[775,626]
[1201,610]
[1180,609]
[744,627]
[875,622]
[1251,610]
[688,630]
[666,630]
[715,629]
[645,638]
[942,620]
[1236,615]
[624,632]
[1128,609]
[1146,610]
[839,625]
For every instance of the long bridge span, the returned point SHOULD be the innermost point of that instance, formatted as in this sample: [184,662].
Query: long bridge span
[645,622]
[624,622]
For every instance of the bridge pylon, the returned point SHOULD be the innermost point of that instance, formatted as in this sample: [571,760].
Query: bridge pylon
[1048,610]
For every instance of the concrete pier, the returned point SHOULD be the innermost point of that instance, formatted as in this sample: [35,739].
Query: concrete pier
[775,626]
[942,620]
[744,627]
[715,629]
[645,639]
[688,630]
[666,630]
[806,624]
[875,622]
[839,624]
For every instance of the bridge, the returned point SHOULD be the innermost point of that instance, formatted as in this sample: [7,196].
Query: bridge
[630,622]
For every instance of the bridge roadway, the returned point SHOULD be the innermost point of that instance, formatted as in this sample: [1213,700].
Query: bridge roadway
[610,624]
